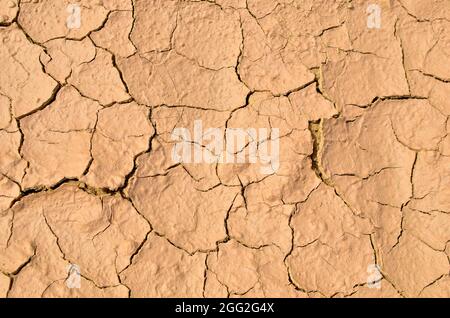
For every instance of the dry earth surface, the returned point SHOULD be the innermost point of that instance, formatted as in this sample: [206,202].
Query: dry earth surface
[87,178]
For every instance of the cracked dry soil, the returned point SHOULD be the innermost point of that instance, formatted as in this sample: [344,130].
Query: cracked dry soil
[86,175]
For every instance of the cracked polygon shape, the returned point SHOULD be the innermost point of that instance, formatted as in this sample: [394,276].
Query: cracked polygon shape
[271,73]
[190,218]
[70,226]
[324,217]
[162,270]
[115,145]
[57,148]
[333,267]
[176,81]
[257,224]
[218,29]
[45,20]
[155,22]
[426,46]
[431,181]
[22,78]
[264,69]
[30,252]
[65,55]
[260,272]
[293,145]
[312,104]
[100,80]
[195,123]
[417,124]
[114,36]
[95,232]
[364,146]
[355,78]
[390,186]
[430,227]
[412,265]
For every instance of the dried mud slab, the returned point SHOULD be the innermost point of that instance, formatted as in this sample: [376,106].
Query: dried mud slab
[260,272]
[37,245]
[108,169]
[227,148]
[50,140]
[45,20]
[163,270]
[22,78]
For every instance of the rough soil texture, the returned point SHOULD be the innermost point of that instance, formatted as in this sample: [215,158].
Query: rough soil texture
[86,175]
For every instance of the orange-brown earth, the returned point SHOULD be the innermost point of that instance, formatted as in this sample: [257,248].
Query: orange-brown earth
[87,178]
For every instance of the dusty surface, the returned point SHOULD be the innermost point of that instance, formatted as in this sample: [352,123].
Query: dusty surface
[86,176]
